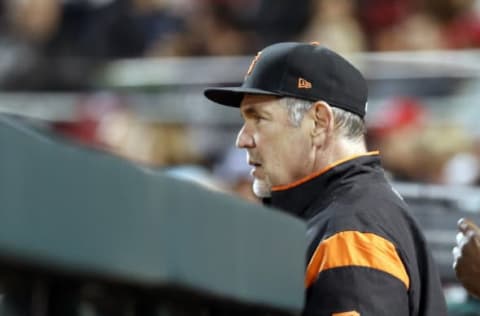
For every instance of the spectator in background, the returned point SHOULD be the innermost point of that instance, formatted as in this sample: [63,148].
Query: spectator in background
[419,31]
[440,148]
[106,121]
[209,30]
[151,143]
[394,130]
[466,256]
[35,20]
[282,20]
[417,149]
[419,25]
[89,111]
[334,24]
[26,27]
[98,30]
[69,40]
[161,21]
[380,20]
[459,22]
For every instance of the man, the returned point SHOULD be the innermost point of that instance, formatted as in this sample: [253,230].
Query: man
[467,256]
[303,108]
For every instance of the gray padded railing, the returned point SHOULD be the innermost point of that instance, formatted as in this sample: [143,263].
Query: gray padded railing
[85,233]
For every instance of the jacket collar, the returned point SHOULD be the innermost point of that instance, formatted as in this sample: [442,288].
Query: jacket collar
[320,188]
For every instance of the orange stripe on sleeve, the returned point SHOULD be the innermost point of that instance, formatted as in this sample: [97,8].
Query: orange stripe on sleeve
[352,248]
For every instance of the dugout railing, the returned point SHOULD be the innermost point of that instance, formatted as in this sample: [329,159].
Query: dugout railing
[86,233]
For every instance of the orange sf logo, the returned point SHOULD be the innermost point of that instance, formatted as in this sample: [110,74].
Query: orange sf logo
[253,63]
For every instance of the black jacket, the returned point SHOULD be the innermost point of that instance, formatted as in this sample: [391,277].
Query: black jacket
[366,255]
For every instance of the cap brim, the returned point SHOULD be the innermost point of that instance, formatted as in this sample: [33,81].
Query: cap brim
[233,96]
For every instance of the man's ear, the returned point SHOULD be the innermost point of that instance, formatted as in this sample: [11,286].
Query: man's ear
[322,116]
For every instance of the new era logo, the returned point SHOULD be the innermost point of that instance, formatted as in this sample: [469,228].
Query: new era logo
[304,84]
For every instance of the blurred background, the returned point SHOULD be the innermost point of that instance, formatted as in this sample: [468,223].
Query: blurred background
[126,76]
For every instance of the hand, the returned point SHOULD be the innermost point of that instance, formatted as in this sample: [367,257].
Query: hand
[467,256]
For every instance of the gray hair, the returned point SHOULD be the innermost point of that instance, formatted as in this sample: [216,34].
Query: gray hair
[347,124]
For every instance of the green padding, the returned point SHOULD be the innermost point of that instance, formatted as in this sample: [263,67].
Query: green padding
[85,211]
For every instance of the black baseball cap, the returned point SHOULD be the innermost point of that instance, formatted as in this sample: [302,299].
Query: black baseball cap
[300,70]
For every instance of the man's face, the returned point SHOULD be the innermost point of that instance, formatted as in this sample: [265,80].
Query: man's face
[279,152]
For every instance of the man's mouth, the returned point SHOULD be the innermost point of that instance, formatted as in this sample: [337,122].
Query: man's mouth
[256,171]
[254,164]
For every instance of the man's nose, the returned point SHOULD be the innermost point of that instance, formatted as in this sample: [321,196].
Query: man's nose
[244,139]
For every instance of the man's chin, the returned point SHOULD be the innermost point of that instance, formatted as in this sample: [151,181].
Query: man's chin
[262,188]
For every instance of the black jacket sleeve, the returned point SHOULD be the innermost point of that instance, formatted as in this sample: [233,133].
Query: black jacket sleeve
[355,291]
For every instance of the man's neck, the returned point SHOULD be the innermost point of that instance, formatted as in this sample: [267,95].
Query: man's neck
[339,150]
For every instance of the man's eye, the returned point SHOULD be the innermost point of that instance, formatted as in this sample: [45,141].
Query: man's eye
[258,118]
